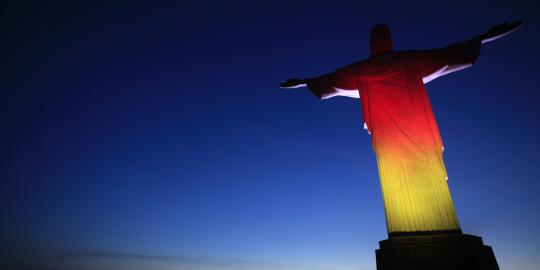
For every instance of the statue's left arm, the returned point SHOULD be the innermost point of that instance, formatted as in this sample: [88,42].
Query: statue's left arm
[439,62]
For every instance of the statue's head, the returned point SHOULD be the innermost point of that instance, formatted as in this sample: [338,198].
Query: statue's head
[381,40]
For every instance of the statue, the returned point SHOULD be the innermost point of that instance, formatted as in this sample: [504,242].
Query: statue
[398,115]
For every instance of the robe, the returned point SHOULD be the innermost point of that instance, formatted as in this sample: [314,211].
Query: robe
[405,137]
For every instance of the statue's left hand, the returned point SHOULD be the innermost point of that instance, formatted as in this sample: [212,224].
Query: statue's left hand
[293,83]
[499,31]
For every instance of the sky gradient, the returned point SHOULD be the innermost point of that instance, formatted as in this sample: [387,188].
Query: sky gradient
[154,136]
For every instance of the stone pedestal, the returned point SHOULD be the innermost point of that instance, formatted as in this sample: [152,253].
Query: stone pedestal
[435,252]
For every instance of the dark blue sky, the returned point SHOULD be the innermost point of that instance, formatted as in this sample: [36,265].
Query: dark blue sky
[155,134]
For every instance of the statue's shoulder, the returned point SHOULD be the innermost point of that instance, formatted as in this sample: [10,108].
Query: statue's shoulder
[412,54]
[354,67]
[407,57]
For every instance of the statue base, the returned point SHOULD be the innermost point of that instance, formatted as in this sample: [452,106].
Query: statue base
[446,251]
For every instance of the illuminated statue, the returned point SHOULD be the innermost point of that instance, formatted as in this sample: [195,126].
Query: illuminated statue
[398,115]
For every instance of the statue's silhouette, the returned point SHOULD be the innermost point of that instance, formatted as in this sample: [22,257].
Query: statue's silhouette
[398,115]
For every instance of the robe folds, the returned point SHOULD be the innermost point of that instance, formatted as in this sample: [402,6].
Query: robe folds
[405,137]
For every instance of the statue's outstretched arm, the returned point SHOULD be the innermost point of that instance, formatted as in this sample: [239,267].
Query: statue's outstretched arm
[500,31]
[293,83]
[439,62]
[338,83]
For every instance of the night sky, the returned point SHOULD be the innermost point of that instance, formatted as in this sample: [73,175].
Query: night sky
[155,136]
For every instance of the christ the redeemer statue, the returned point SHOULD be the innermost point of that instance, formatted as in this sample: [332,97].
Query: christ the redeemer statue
[398,115]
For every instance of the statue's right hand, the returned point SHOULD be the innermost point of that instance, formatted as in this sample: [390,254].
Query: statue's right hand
[293,83]
[500,30]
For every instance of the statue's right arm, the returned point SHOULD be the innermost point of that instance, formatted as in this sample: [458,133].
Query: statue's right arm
[326,86]
[293,83]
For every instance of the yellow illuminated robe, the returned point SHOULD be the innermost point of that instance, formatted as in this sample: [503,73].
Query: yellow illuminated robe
[405,136]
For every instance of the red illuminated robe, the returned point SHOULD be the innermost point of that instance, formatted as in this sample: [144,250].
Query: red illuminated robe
[405,136]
